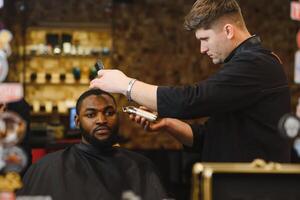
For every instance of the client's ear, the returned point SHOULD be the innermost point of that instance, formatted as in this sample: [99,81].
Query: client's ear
[76,119]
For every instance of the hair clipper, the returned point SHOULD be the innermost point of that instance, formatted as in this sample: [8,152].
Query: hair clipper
[142,113]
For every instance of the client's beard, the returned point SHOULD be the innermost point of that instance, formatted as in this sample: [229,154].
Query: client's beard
[101,144]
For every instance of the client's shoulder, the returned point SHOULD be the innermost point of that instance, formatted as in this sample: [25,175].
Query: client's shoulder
[50,159]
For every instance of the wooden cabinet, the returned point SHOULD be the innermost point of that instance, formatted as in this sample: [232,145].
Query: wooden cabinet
[58,62]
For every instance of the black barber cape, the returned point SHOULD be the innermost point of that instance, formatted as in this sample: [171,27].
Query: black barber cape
[83,172]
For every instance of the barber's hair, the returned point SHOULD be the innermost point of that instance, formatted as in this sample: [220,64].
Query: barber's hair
[93,91]
[205,12]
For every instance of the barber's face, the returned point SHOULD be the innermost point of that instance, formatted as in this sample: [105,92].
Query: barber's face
[98,117]
[213,43]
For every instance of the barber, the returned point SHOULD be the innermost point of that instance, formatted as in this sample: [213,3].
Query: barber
[244,100]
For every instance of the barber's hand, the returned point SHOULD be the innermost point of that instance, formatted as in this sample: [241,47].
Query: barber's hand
[147,125]
[113,81]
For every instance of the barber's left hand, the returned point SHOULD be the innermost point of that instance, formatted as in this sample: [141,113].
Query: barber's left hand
[147,125]
[113,81]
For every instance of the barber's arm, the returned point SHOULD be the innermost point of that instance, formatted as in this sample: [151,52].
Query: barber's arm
[180,130]
[115,81]
[225,91]
[190,135]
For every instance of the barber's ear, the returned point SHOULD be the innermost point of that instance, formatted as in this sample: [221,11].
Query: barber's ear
[76,118]
[229,31]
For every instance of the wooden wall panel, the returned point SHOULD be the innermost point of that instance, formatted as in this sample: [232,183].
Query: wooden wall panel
[149,43]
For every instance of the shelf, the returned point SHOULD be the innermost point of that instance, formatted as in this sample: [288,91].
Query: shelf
[40,114]
[92,41]
[65,56]
[57,84]
[69,26]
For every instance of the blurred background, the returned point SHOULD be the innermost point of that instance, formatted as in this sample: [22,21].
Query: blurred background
[56,44]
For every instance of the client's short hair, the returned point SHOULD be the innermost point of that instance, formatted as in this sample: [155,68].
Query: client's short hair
[93,91]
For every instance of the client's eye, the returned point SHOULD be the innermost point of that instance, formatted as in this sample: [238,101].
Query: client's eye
[90,115]
[109,112]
